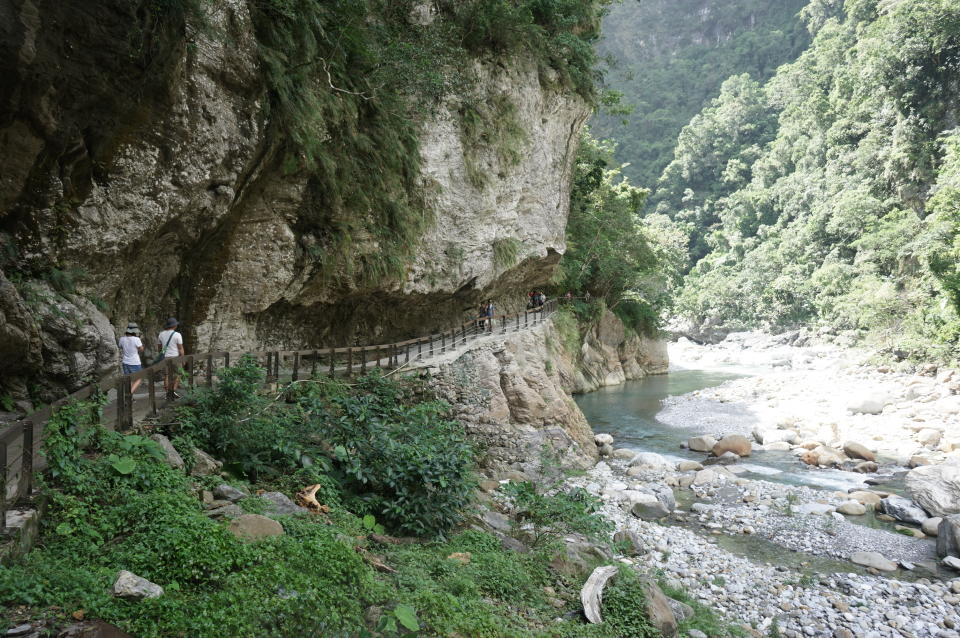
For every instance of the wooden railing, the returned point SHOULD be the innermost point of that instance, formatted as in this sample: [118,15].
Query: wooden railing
[20,442]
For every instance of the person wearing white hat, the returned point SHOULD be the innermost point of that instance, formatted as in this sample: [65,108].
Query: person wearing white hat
[130,349]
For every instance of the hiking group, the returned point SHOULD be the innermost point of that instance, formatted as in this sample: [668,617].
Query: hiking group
[169,345]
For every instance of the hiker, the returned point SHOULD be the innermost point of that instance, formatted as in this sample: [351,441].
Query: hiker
[490,313]
[483,315]
[530,300]
[541,299]
[171,345]
[130,349]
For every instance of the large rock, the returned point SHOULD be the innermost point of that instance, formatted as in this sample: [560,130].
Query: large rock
[903,510]
[172,457]
[936,488]
[735,443]
[701,443]
[857,451]
[823,456]
[129,585]
[252,527]
[868,403]
[204,464]
[852,508]
[867,498]
[279,504]
[713,474]
[931,526]
[874,560]
[228,493]
[659,612]
[647,507]
[766,437]
[651,460]
[948,536]
[929,437]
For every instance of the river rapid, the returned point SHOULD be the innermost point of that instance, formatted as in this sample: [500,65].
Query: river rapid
[765,542]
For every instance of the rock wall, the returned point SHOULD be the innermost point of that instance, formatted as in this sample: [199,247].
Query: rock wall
[138,180]
[514,395]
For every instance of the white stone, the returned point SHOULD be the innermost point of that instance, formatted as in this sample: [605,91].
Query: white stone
[868,404]
[936,488]
[129,585]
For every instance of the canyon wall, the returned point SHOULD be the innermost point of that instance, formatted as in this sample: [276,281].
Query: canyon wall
[514,394]
[140,182]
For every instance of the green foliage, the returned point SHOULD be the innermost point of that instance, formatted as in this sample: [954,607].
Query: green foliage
[612,254]
[399,459]
[551,515]
[506,252]
[236,422]
[624,607]
[704,619]
[846,214]
[669,63]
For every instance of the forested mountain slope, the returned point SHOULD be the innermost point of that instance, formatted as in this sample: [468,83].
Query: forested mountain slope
[671,57]
[832,193]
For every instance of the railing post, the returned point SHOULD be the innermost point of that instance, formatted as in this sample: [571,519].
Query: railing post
[419,348]
[518,322]
[443,341]
[363,360]
[453,339]
[124,404]
[332,363]
[152,391]
[25,486]
[406,358]
[296,367]
[503,324]
[313,368]
[431,346]
[3,487]
[376,352]
[349,362]
[209,370]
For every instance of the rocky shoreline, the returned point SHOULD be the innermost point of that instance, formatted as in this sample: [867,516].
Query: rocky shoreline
[862,562]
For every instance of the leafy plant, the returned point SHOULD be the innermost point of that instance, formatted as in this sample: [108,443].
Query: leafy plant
[550,516]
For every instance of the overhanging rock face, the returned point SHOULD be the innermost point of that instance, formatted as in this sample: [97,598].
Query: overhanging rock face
[132,194]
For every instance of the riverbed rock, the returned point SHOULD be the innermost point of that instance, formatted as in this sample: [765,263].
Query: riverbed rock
[931,526]
[857,451]
[171,456]
[917,461]
[948,536]
[768,436]
[701,443]
[871,499]
[605,449]
[647,507]
[681,610]
[868,404]
[252,527]
[129,585]
[929,437]
[603,439]
[778,446]
[823,456]
[624,454]
[689,466]
[936,488]
[874,560]
[713,474]
[651,460]
[735,443]
[866,467]
[852,508]
[903,510]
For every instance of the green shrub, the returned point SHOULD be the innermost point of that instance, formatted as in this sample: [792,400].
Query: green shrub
[553,515]
[624,607]
[399,459]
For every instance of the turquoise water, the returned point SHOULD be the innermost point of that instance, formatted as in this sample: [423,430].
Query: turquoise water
[629,413]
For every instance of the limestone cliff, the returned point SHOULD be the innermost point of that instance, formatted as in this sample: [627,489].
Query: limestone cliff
[514,395]
[139,179]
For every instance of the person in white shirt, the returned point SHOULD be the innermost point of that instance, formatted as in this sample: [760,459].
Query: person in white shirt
[170,343]
[130,349]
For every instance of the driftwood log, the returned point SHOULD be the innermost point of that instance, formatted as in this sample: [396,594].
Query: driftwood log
[591,596]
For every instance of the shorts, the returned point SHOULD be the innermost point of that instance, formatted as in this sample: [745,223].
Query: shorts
[130,368]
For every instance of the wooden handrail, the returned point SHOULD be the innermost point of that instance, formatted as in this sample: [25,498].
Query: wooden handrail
[338,360]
